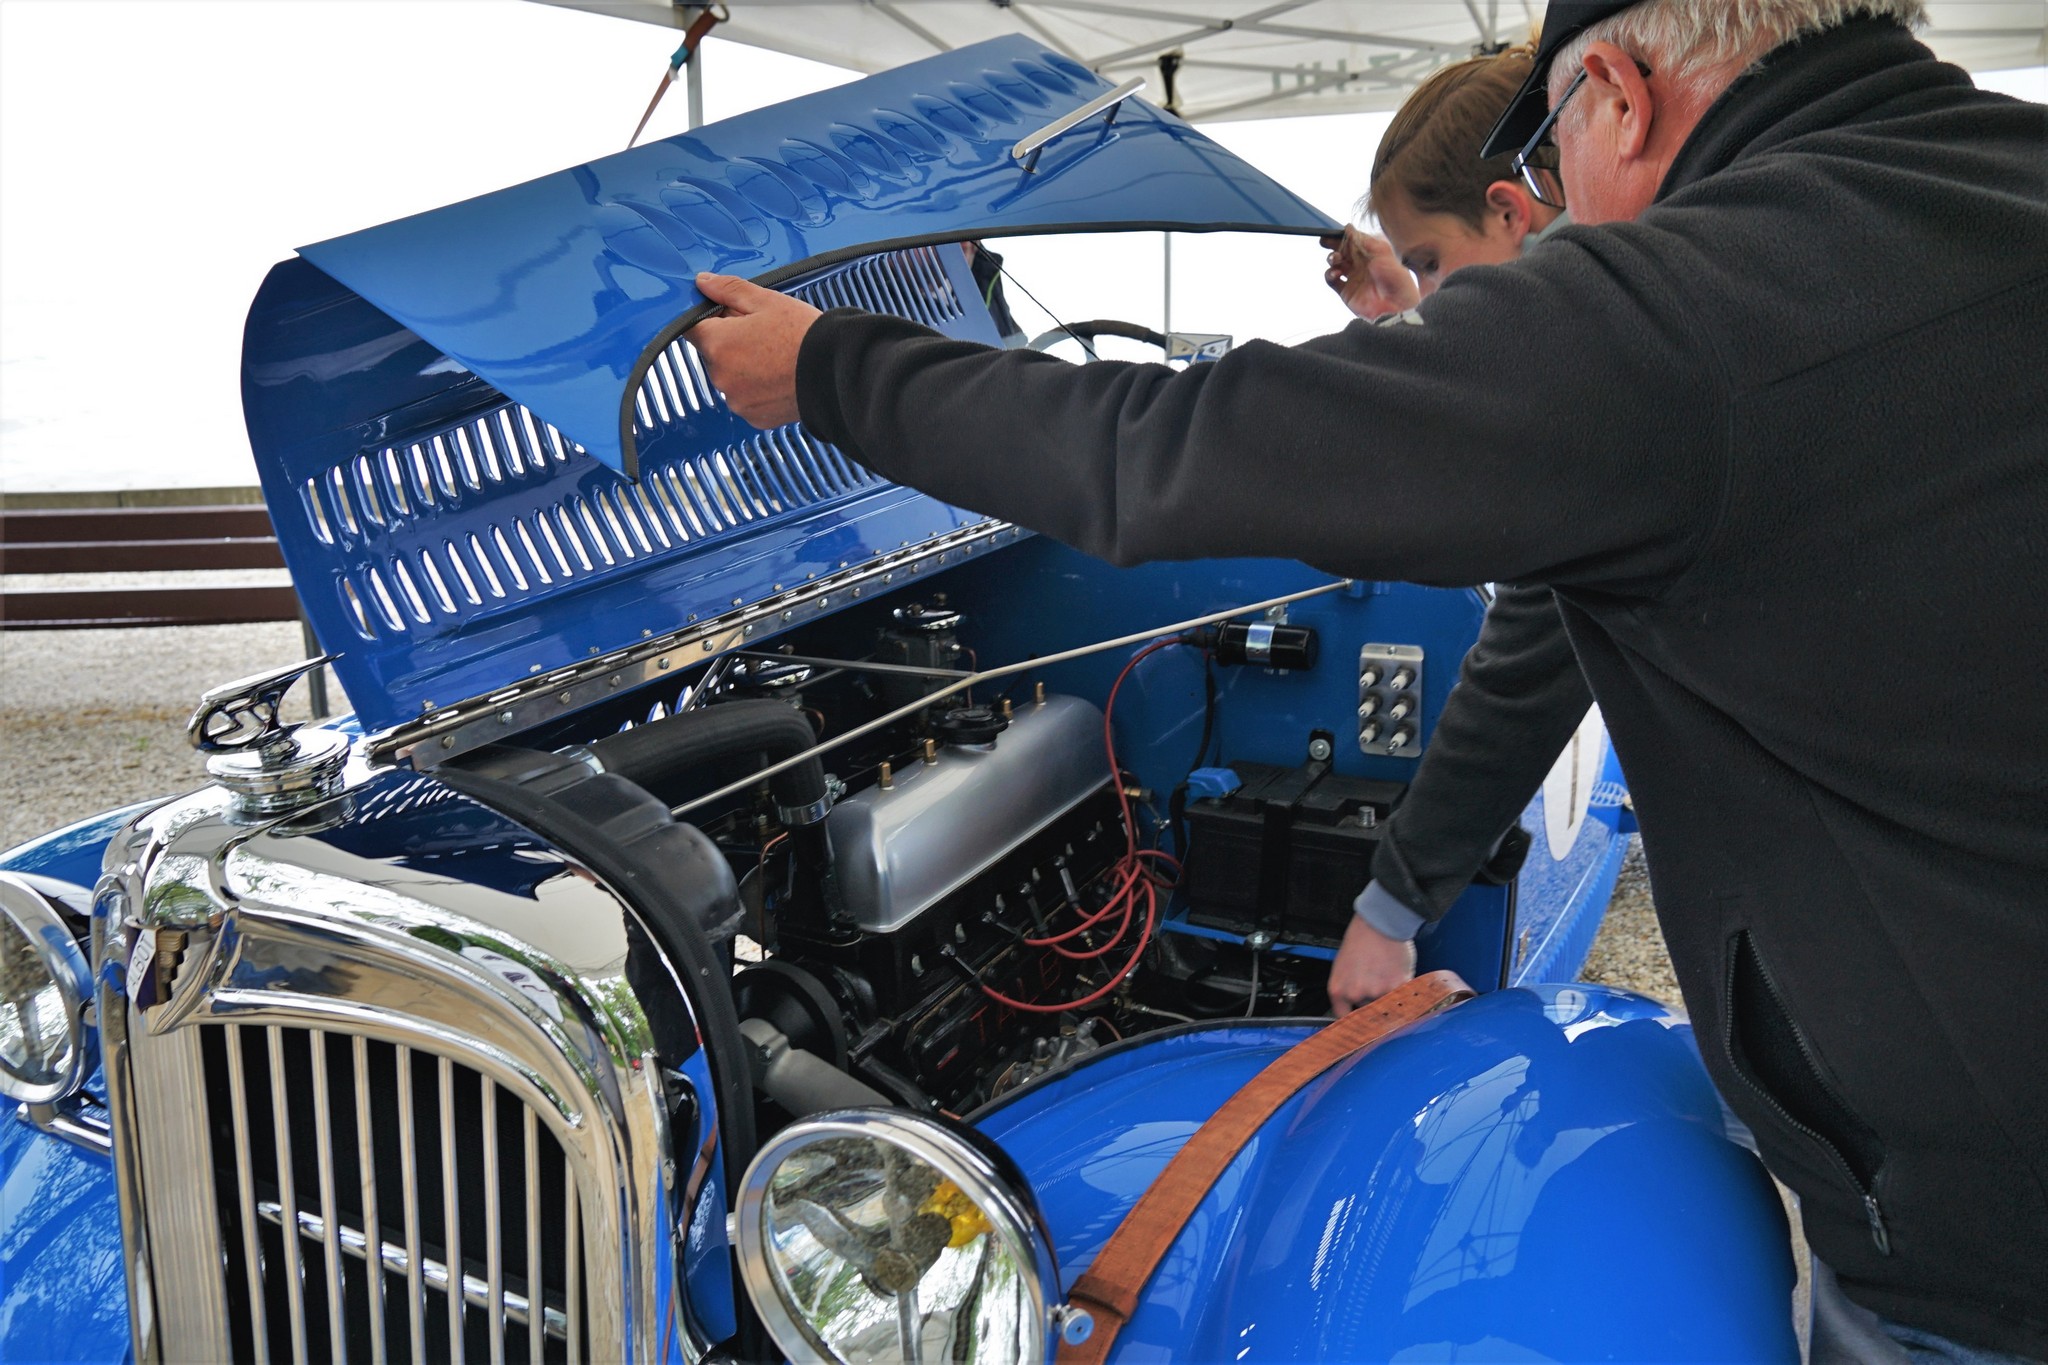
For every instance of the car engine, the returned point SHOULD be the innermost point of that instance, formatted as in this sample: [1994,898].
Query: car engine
[969,900]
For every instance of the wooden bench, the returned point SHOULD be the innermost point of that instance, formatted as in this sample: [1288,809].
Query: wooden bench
[146,540]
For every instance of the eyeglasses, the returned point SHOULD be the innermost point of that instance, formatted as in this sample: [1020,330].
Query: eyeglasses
[1538,162]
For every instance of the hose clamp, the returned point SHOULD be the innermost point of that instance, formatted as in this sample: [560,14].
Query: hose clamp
[795,816]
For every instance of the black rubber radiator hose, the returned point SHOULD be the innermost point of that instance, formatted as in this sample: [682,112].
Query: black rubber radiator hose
[662,755]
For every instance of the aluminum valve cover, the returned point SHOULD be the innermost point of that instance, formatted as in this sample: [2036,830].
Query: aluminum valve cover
[901,850]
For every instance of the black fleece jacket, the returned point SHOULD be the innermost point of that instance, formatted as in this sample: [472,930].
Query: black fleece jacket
[1781,448]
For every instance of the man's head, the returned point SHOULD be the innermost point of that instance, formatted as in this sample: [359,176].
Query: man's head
[1622,128]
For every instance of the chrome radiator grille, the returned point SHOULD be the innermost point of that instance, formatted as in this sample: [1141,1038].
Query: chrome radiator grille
[430,1210]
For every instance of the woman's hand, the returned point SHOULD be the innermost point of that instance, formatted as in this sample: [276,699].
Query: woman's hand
[1366,276]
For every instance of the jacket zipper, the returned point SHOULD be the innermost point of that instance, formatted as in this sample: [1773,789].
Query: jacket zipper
[1872,1213]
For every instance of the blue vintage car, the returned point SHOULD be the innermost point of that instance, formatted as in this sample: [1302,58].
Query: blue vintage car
[757,911]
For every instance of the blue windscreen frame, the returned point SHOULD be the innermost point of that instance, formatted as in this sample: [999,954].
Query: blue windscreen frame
[562,291]
[447,541]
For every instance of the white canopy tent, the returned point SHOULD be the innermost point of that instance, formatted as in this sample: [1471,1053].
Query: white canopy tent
[1239,59]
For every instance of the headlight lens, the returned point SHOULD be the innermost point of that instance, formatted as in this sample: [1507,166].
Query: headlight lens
[44,1046]
[877,1235]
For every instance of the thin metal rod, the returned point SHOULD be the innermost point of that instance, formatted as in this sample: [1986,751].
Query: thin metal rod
[366,1166]
[912,25]
[323,1135]
[959,685]
[1480,22]
[1166,289]
[1208,29]
[1371,75]
[287,1189]
[1246,25]
[238,1104]
[69,1122]
[1324,82]
[1107,101]
[494,1253]
[408,1175]
[847,665]
[518,1308]
[451,1208]
[535,1346]
[1051,39]
[1147,48]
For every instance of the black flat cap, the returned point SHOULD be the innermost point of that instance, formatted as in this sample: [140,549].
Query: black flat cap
[1562,22]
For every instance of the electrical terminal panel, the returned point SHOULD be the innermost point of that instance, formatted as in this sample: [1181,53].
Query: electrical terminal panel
[1390,701]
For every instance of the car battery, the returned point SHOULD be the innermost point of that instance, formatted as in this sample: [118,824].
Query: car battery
[1286,853]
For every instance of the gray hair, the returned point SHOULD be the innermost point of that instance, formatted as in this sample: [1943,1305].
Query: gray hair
[1687,39]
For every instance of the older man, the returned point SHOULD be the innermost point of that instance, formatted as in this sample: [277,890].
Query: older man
[1772,422]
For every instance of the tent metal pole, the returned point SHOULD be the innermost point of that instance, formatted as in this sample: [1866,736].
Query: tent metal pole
[693,84]
[1167,328]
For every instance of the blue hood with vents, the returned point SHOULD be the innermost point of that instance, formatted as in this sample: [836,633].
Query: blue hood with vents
[560,291]
[442,408]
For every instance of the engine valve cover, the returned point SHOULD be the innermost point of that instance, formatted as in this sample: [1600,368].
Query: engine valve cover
[899,850]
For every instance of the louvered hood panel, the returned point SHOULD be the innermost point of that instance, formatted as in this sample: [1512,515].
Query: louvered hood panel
[450,543]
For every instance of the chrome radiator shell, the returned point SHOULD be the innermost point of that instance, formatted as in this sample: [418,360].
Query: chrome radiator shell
[265,943]
[899,850]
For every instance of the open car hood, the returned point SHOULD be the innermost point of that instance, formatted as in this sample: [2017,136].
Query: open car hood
[560,291]
[501,479]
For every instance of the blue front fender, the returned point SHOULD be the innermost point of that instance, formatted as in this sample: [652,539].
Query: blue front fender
[1537,1175]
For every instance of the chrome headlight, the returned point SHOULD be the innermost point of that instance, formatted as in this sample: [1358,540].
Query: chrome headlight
[872,1234]
[46,1047]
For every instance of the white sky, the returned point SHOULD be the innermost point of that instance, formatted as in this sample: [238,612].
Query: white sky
[158,156]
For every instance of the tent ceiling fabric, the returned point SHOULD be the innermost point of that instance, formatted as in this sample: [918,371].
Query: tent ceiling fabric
[1239,59]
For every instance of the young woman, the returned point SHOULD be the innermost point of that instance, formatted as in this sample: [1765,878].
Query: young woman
[1520,694]
[1442,207]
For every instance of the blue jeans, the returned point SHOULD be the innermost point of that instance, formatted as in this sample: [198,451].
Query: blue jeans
[1846,1333]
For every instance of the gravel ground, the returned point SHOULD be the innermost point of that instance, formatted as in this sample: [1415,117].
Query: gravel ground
[91,719]
[1629,951]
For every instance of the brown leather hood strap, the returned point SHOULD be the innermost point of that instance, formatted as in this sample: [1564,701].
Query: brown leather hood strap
[1109,1289]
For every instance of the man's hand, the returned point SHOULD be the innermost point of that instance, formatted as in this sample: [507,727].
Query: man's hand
[1368,965]
[750,348]
[1366,276]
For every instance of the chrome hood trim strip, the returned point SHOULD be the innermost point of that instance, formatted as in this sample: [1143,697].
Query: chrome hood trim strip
[445,732]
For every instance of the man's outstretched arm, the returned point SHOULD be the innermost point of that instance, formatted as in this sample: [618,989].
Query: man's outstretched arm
[1451,452]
